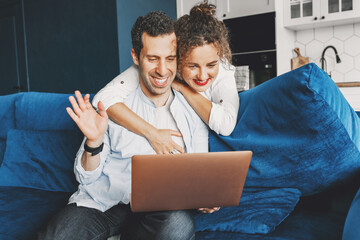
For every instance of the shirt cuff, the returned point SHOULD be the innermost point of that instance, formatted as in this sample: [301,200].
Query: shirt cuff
[216,115]
[83,176]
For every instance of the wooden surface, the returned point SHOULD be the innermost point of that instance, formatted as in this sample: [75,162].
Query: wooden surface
[348,84]
[298,61]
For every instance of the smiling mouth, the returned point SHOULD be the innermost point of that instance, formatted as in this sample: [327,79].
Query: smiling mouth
[160,82]
[201,83]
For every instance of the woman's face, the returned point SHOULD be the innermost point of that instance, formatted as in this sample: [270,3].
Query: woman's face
[200,67]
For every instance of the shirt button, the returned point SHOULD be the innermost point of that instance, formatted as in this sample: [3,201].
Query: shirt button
[221,100]
[122,82]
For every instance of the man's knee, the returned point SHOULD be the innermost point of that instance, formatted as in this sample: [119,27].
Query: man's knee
[179,225]
[73,222]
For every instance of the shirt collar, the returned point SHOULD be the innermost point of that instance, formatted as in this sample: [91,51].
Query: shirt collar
[148,101]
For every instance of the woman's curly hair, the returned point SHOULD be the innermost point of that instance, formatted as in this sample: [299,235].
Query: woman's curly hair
[201,27]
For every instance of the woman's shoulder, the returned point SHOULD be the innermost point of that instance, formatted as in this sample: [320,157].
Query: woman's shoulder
[226,73]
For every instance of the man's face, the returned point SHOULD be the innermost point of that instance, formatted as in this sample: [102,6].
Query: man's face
[157,63]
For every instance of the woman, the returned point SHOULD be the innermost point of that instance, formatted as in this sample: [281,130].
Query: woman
[206,79]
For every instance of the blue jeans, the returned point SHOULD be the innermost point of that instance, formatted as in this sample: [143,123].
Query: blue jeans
[90,224]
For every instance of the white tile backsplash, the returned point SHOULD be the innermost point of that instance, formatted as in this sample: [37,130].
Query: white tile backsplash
[357,62]
[338,44]
[352,46]
[346,65]
[345,38]
[357,29]
[314,49]
[352,76]
[344,32]
[324,34]
[305,36]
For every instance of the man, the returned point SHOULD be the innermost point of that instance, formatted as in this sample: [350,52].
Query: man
[100,208]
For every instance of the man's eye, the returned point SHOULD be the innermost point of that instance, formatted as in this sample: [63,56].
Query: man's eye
[171,59]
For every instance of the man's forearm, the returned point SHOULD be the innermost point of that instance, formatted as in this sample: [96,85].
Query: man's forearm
[88,162]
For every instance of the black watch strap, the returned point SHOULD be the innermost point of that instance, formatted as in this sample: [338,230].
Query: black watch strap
[93,151]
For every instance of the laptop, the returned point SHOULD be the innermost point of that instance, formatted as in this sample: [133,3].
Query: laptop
[188,181]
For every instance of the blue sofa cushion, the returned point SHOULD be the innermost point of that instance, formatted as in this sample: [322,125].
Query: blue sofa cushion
[7,113]
[2,150]
[7,119]
[23,211]
[351,228]
[43,111]
[302,224]
[302,131]
[40,159]
[259,212]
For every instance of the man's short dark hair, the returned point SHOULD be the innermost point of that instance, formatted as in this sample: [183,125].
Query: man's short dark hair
[155,24]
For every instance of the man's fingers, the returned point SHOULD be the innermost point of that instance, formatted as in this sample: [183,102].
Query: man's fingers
[75,106]
[87,101]
[102,110]
[80,100]
[72,114]
[209,210]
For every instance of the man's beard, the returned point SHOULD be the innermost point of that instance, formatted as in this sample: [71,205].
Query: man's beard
[153,89]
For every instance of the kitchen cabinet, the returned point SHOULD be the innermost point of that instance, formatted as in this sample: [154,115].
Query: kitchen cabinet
[304,14]
[236,8]
[226,9]
[184,6]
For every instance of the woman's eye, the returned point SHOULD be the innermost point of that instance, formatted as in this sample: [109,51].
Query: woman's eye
[212,65]
[152,59]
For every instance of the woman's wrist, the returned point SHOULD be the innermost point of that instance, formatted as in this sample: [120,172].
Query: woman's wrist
[149,132]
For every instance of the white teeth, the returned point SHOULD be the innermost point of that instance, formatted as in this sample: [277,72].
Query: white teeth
[162,80]
[199,81]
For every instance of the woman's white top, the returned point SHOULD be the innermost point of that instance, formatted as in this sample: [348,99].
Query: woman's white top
[222,93]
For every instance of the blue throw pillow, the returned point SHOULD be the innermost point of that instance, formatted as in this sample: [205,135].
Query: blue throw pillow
[43,111]
[302,131]
[259,212]
[40,159]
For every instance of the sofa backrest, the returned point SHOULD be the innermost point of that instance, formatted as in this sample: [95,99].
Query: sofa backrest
[39,136]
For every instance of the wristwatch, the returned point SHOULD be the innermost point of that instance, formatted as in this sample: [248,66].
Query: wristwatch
[93,151]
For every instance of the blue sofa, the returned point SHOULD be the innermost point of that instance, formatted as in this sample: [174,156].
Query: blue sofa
[300,185]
